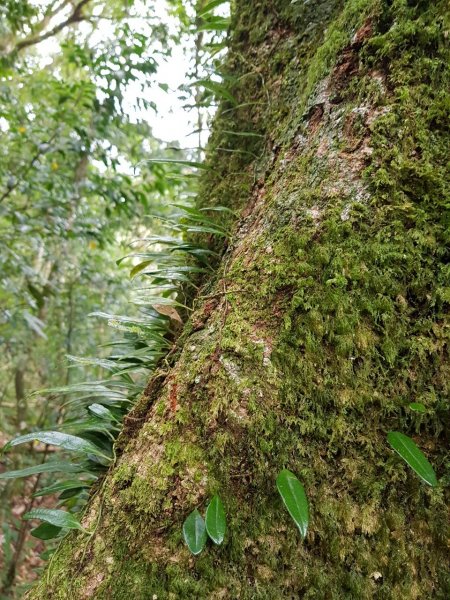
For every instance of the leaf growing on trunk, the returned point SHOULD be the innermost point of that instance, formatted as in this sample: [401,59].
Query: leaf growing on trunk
[293,495]
[56,438]
[417,407]
[407,449]
[194,532]
[58,518]
[50,467]
[45,531]
[216,520]
[62,486]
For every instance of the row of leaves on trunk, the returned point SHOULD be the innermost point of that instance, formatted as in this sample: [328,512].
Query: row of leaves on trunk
[196,530]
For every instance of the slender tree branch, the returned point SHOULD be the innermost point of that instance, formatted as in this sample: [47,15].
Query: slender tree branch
[49,14]
[76,17]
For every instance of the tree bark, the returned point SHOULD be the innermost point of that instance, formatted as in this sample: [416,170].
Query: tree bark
[326,318]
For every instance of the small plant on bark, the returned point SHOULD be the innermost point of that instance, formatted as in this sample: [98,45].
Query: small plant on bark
[196,530]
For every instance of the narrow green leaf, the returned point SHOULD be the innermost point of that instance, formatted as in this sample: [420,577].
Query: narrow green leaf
[215,520]
[88,387]
[55,438]
[96,362]
[203,229]
[62,486]
[91,424]
[122,319]
[210,6]
[417,407]
[173,161]
[407,449]
[243,133]
[59,518]
[101,411]
[194,532]
[80,491]
[161,300]
[216,88]
[45,531]
[50,467]
[140,267]
[214,24]
[224,209]
[293,495]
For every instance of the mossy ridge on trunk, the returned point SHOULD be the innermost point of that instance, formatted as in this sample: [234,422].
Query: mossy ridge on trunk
[335,317]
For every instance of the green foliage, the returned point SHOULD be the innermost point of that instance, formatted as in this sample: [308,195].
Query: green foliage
[48,467]
[209,7]
[62,486]
[417,407]
[215,520]
[58,518]
[55,438]
[71,199]
[293,495]
[362,276]
[407,449]
[217,89]
[194,532]
[46,531]
[349,332]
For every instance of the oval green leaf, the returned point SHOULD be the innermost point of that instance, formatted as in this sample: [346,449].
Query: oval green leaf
[293,495]
[45,531]
[194,532]
[407,449]
[58,518]
[417,407]
[215,520]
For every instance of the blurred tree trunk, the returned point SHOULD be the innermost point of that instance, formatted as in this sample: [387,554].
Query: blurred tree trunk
[21,402]
[324,321]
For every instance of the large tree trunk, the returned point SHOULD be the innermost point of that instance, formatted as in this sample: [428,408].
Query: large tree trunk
[325,319]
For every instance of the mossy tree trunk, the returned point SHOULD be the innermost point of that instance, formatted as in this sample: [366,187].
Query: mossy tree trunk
[325,319]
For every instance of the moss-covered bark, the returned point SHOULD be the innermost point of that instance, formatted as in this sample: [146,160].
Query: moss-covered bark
[327,317]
